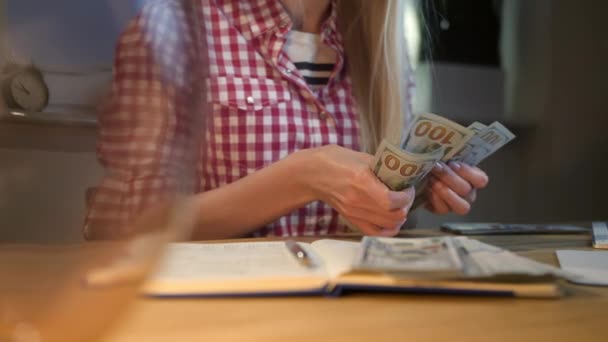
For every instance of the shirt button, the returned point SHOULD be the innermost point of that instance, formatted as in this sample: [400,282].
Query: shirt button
[323,115]
[250,99]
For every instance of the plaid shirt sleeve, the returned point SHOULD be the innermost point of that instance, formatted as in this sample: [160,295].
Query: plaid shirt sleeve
[145,141]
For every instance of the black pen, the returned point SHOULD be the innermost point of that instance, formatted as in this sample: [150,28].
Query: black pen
[470,266]
[299,253]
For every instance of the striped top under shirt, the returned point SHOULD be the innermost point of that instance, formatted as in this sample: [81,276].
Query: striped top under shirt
[311,56]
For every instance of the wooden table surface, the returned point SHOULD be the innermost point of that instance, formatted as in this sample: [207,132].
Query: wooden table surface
[580,316]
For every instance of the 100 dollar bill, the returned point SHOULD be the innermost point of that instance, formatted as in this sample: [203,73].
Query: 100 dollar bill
[484,143]
[430,132]
[399,169]
[432,138]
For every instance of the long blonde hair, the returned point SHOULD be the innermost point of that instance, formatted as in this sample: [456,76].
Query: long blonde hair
[374,43]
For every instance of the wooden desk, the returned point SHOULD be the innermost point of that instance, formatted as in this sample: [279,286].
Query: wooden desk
[378,317]
[381,317]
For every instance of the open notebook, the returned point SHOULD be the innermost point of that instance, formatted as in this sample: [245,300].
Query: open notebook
[455,265]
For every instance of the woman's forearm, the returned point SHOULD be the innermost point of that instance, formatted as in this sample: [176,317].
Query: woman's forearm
[241,207]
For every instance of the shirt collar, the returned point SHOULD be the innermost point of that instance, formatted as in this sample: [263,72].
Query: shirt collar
[254,18]
[329,29]
[329,26]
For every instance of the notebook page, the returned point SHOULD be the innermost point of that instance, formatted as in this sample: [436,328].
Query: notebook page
[590,267]
[233,261]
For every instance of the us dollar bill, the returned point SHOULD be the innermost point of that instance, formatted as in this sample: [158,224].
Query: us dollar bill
[430,131]
[466,148]
[485,141]
[483,144]
[399,169]
[432,138]
[421,257]
[477,127]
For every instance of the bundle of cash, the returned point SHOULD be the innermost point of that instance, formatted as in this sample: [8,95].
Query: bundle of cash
[449,258]
[431,139]
[399,169]
[434,256]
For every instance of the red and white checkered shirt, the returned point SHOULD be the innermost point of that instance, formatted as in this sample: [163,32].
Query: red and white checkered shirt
[261,108]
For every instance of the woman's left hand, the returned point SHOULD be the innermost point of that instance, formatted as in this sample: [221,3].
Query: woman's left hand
[453,187]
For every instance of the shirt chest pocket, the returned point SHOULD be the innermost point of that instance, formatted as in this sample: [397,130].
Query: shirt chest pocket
[245,93]
[249,117]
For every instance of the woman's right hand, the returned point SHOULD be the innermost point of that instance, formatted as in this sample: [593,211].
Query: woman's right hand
[342,178]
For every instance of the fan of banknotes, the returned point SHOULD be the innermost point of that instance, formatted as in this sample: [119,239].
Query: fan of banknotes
[431,139]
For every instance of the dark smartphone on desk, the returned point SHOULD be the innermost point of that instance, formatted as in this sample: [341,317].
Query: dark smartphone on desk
[476,228]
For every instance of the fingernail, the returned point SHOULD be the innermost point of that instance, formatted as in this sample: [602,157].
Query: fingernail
[438,167]
[455,165]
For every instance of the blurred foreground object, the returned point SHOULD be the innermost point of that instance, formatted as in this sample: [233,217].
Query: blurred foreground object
[45,289]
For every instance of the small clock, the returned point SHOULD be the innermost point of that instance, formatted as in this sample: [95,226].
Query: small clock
[26,90]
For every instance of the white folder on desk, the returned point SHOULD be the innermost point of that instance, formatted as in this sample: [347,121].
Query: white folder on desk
[590,266]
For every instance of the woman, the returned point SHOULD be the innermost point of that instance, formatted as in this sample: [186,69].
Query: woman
[300,93]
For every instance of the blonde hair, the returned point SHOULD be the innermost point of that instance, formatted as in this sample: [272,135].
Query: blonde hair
[374,43]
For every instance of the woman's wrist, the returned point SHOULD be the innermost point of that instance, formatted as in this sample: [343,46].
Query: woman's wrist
[307,169]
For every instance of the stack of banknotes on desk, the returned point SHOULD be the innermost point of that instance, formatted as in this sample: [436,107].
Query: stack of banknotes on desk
[431,139]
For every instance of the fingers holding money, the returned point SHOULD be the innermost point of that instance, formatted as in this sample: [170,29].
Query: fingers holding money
[475,176]
[447,193]
[389,220]
[383,216]
[450,177]
[401,199]
[454,187]
[373,230]
[454,201]
[435,203]
[348,184]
